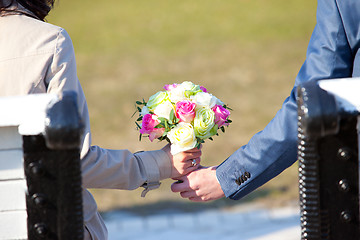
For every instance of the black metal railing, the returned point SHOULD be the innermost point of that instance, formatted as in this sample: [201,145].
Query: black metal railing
[53,175]
[328,166]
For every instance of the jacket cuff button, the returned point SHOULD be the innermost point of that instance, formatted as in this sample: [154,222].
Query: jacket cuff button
[243,178]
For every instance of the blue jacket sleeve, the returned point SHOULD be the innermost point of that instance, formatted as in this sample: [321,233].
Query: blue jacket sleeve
[272,150]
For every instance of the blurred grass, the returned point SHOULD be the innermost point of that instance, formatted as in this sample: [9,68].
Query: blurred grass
[247,53]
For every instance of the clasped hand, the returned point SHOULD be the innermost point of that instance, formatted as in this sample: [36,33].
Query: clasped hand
[195,182]
[183,162]
[200,185]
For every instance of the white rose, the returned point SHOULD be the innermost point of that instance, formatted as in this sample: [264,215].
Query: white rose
[182,138]
[177,94]
[188,85]
[164,109]
[218,101]
[203,99]
[144,111]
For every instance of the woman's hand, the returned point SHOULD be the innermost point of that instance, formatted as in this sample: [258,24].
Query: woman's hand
[183,162]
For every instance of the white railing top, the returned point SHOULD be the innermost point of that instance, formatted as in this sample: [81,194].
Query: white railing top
[346,92]
[27,112]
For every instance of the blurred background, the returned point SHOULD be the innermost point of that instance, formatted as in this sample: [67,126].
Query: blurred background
[245,52]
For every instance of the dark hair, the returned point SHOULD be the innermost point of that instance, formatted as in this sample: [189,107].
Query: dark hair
[40,8]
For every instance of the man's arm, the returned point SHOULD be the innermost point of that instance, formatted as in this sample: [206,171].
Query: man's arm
[272,150]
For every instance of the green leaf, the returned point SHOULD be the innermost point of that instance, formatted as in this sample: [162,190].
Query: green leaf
[140,136]
[134,114]
[226,107]
[222,128]
[172,115]
[139,127]
[140,118]
[228,121]
[139,103]
[162,119]
[163,122]
[139,109]
[211,138]
[199,142]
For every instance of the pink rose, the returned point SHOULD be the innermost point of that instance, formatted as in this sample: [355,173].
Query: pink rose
[185,111]
[221,115]
[203,89]
[169,87]
[148,127]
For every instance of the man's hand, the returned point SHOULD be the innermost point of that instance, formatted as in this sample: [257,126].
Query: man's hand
[183,162]
[200,185]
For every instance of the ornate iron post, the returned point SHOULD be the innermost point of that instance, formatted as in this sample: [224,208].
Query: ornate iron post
[328,166]
[53,174]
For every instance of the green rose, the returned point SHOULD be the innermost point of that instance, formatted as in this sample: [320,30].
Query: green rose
[156,99]
[204,124]
[190,88]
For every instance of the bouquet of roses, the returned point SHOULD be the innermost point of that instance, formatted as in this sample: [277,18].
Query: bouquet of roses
[184,114]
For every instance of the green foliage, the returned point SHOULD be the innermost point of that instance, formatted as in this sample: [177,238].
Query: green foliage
[139,127]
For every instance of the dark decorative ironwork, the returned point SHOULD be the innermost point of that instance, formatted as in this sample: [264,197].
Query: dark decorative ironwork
[53,175]
[328,167]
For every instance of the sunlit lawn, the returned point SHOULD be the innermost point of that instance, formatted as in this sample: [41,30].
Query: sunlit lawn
[246,52]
